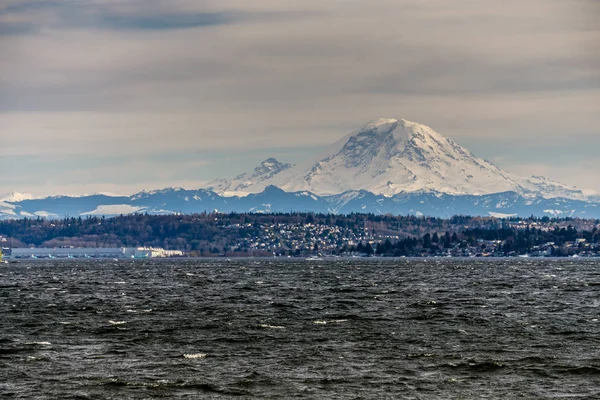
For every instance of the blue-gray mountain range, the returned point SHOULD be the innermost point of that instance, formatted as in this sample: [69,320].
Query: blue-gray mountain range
[273,199]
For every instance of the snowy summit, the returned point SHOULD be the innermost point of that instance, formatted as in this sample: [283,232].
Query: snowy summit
[239,186]
[16,196]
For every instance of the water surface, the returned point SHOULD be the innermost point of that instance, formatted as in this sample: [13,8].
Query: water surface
[340,329]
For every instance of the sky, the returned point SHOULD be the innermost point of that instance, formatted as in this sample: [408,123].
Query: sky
[123,95]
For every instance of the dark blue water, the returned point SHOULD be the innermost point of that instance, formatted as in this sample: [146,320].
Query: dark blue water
[429,329]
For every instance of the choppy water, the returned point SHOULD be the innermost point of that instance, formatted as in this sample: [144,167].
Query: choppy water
[432,329]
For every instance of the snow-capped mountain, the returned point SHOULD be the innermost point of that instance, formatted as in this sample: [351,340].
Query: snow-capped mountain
[389,156]
[240,184]
[16,196]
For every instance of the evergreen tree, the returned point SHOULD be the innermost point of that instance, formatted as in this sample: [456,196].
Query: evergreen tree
[427,241]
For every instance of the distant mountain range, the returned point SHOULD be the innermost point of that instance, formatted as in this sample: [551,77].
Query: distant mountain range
[387,166]
[273,199]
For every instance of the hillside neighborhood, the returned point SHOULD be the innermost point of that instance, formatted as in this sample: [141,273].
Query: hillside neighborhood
[304,235]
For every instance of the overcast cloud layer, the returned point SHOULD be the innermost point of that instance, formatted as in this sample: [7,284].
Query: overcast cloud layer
[108,95]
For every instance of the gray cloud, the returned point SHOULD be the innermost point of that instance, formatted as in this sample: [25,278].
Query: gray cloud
[157,77]
[31,17]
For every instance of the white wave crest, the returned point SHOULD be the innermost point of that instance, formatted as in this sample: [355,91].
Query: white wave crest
[332,321]
[195,355]
[272,326]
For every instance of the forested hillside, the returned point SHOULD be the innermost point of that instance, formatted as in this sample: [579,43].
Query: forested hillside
[308,234]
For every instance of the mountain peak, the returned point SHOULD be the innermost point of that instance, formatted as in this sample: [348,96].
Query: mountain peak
[239,185]
[401,130]
[270,166]
[15,197]
[270,160]
[380,124]
[388,156]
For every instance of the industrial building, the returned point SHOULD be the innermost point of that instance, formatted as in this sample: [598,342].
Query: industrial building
[92,252]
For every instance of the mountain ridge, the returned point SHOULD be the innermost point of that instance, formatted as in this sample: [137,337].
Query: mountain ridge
[274,199]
